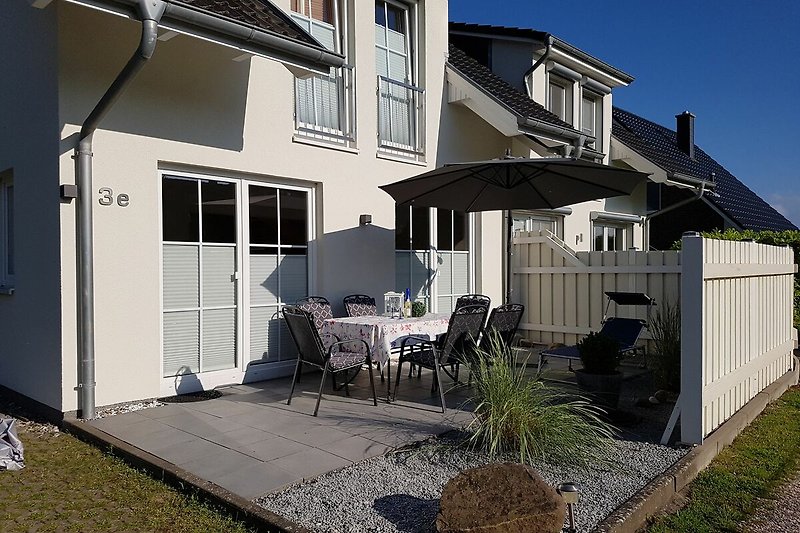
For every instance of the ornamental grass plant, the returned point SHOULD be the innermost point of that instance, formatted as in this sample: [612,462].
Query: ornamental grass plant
[517,414]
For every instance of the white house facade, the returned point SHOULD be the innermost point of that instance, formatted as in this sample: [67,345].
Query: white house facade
[227,186]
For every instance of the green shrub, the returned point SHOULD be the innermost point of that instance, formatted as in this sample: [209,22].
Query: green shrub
[599,354]
[520,415]
[777,238]
[418,309]
[665,359]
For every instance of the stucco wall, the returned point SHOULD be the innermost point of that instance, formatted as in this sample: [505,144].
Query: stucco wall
[30,322]
[194,108]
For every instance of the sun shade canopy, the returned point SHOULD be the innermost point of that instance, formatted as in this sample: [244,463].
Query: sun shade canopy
[515,183]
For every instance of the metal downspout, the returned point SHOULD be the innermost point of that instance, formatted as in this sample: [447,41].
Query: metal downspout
[542,59]
[151,11]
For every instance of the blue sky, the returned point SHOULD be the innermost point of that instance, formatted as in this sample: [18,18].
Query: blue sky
[735,64]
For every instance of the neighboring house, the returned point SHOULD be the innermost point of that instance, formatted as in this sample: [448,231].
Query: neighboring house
[548,98]
[679,168]
[224,186]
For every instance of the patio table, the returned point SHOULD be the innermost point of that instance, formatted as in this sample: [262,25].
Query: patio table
[383,333]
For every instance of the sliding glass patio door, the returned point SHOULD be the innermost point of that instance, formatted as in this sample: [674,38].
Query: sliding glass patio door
[432,255]
[200,258]
[234,252]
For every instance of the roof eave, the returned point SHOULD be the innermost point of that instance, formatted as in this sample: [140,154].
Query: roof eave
[526,124]
[228,32]
[623,77]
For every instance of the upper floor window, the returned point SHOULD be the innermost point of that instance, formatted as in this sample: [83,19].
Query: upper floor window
[325,105]
[400,106]
[7,256]
[592,118]
[559,98]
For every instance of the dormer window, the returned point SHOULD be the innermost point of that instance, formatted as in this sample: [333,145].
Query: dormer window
[559,98]
[592,118]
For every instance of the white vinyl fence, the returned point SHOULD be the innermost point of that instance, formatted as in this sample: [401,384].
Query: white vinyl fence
[564,291]
[736,327]
[736,311]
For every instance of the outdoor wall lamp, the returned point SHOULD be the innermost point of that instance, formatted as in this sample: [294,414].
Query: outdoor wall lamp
[363,220]
[570,492]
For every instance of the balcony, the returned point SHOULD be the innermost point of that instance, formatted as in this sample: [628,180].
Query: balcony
[325,106]
[401,118]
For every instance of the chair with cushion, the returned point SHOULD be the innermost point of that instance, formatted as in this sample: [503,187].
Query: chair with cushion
[360,305]
[335,359]
[318,306]
[463,331]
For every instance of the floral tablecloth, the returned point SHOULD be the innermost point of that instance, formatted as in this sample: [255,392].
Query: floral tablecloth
[383,333]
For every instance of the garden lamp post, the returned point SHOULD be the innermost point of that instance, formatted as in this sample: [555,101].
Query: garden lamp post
[570,492]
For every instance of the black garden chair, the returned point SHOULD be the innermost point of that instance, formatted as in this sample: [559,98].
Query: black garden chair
[336,358]
[319,307]
[360,305]
[462,334]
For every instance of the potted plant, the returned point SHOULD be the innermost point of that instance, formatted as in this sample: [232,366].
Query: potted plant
[599,376]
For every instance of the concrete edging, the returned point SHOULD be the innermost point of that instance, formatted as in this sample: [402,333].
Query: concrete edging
[240,508]
[633,515]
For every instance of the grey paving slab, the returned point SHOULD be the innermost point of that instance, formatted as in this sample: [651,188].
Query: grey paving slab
[356,448]
[221,464]
[162,411]
[273,448]
[315,436]
[182,453]
[310,463]
[253,481]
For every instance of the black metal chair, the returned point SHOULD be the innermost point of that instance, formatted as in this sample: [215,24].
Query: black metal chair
[360,305]
[462,334]
[334,359]
[461,301]
[473,299]
[502,324]
[500,332]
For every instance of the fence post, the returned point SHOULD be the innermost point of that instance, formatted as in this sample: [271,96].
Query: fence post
[692,311]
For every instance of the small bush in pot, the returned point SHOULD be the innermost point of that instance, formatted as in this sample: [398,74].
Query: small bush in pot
[599,376]
[599,354]
[418,309]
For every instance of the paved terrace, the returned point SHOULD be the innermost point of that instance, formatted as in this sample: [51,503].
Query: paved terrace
[250,442]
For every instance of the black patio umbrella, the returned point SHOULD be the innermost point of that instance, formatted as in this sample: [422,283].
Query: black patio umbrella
[514,183]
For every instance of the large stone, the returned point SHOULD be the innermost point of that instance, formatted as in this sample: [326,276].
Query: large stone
[500,498]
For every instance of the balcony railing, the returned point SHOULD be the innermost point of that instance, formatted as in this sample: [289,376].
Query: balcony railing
[325,105]
[401,117]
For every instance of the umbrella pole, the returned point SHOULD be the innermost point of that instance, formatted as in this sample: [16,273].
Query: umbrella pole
[509,255]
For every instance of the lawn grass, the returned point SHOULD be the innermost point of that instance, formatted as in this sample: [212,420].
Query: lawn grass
[68,485]
[728,491]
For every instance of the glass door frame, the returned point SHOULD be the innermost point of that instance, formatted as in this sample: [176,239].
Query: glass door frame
[239,373]
[433,256]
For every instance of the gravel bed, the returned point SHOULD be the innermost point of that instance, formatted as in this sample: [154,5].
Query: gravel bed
[400,491]
[127,408]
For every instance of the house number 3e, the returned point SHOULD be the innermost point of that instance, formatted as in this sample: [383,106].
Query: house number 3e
[107,198]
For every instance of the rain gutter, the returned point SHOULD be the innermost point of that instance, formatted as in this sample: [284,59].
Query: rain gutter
[150,12]
[184,18]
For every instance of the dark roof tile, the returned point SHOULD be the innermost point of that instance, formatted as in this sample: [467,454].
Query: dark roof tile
[501,90]
[734,198]
[259,13]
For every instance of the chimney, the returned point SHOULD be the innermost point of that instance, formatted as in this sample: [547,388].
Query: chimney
[686,133]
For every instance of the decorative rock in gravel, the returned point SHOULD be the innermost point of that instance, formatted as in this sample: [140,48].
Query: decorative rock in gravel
[500,498]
